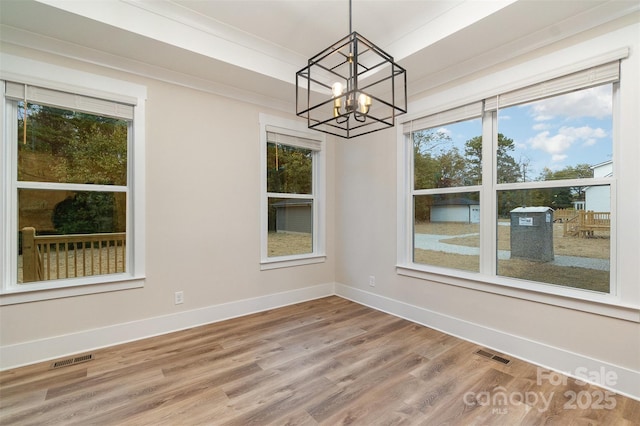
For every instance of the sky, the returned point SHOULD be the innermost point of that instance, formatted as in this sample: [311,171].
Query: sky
[557,132]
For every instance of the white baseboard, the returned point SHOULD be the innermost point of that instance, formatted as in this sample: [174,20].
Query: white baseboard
[627,382]
[31,352]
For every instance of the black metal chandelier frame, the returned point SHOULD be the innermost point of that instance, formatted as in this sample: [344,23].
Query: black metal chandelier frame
[358,109]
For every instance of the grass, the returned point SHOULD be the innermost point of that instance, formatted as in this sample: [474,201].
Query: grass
[588,279]
[283,244]
[288,243]
[567,276]
[595,248]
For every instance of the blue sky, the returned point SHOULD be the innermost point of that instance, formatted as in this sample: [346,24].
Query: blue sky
[562,131]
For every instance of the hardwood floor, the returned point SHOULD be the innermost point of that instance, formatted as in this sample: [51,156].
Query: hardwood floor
[328,361]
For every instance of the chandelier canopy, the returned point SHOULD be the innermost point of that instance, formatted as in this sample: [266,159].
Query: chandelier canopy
[351,88]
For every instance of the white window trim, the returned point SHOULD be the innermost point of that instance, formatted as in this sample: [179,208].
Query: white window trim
[36,73]
[294,128]
[614,304]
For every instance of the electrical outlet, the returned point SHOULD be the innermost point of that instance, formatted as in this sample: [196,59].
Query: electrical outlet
[372,281]
[179,297]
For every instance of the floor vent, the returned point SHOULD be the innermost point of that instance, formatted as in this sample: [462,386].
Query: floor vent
[489,355]
[72,361]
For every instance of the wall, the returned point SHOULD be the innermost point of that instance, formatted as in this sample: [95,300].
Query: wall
[553,336]
[202,232]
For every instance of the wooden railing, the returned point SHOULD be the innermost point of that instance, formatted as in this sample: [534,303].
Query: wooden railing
[586,223]
[563,215]
[50,257]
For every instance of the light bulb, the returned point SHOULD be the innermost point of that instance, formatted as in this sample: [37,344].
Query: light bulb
[337,89]
[364,102]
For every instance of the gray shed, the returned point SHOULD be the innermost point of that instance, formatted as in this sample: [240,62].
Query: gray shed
[458,210]
[532,233]
[294,216]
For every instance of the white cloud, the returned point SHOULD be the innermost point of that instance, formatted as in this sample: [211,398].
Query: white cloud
[539,127]
[551,144]
[539,116]
[520,145]
[444,130]
[557,145]
[594,102]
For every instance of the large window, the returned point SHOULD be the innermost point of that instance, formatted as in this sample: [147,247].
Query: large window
[447,174]
[68,175]
[518,188]
[292,207]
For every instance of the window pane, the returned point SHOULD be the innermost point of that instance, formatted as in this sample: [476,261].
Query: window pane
[71,147]
[289,169]
[448,156]
[290,226]
[67,234]
[564,245]
[561,137]
[446,230]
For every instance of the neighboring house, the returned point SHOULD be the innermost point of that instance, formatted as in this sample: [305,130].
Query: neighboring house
[456,210]
[598,198]
[294,216]
[578,205]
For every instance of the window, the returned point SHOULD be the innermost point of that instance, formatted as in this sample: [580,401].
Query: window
[517,189]
[292,205]
[560,157]
[68,184]
[446,198]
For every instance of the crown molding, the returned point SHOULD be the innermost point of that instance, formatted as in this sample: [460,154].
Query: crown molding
[15,40]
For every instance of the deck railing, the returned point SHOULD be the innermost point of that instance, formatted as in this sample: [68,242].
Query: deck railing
[50,257]
[586,223]
[563,215]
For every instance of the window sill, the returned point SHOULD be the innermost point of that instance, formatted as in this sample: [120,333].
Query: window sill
[582,300]
[289,261]
[67,288]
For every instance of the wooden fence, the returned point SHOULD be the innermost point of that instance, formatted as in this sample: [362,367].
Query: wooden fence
[563,215]
[587,223]
[50,257]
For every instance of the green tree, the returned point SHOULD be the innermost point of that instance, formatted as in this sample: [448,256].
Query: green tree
[563,197]
[78,147]
[473,154]
[509,170]
[48,128]
[428,146]
[289,169]
[85,213]
[451,169]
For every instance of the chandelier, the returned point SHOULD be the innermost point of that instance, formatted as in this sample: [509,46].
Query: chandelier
[351,88]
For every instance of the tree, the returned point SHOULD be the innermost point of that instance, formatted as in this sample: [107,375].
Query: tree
[85,213]
[289,169]
[508,169]
[473,154]
[78,147]
[451,169]
[564,197]
[428,171]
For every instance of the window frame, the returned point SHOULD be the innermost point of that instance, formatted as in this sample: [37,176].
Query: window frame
[468,112]
[295,129]
[617,303]
[82,83]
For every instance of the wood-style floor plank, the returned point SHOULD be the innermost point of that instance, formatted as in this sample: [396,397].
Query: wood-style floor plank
[324,362]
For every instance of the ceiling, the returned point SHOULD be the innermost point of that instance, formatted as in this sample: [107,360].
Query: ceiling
[251,49]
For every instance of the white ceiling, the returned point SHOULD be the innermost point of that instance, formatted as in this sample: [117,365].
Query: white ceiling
[252,48]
